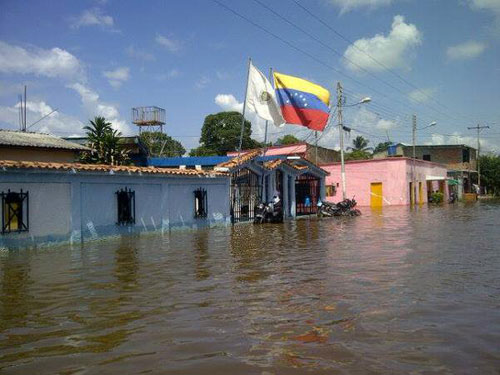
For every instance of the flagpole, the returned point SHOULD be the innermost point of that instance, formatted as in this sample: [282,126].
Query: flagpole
[271,81]
[244,107]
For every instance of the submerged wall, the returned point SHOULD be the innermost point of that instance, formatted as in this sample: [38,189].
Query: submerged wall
[75,207]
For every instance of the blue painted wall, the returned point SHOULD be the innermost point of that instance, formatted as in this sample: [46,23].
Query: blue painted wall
[81,206]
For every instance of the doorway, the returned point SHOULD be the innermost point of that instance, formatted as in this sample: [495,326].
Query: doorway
[376,197]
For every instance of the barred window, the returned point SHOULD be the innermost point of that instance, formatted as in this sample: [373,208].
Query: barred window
[200,203]
[331,190]
[126,206]
[15,211]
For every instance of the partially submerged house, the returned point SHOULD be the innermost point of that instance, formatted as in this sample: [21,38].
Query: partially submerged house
[28,146]
[255,178]
[386,182]
[45,202]
[460,160]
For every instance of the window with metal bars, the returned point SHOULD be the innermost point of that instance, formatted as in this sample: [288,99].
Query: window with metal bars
[126,206]
[200,203]
[15,211]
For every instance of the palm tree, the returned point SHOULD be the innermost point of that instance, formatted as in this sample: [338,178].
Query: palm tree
[104,142]
[360,144]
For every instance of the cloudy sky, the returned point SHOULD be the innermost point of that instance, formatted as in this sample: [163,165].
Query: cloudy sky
[437,59]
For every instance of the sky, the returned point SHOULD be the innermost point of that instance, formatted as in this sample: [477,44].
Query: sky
[437,59]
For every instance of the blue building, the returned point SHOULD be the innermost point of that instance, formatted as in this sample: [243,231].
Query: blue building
[44,202]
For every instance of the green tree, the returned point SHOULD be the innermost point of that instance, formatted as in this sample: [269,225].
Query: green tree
[288,139]
[160,144]
[490,173]
[381,147]
[360,149]
[221,133]
[105,144]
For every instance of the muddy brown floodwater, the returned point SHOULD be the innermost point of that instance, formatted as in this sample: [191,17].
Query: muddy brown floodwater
[397,291]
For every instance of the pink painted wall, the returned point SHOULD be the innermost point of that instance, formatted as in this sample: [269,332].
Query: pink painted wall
[395,174]
[296,149]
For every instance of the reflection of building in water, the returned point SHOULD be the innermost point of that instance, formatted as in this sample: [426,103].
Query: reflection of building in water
[201,255]
[126,265]
[16,301]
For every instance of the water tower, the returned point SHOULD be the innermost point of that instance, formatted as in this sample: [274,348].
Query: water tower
[149,119]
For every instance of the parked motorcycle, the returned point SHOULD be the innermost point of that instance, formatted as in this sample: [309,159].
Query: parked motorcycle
[271,212]
[343,208]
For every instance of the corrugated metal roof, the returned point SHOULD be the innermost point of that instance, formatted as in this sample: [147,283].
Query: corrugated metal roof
[106,168]
[26,139]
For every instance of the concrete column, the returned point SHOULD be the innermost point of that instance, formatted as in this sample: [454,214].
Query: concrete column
[286,206]
[293,212]
[322,188]
[76,212]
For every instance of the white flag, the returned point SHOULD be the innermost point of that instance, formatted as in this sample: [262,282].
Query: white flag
[261,97]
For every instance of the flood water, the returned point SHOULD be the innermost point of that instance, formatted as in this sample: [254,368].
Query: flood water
[397,291]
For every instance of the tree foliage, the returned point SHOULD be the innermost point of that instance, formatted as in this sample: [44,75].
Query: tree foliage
[490,173]
[221,133]
[360,149]
[160,144]
[105,144]
[288,139]
[381,147]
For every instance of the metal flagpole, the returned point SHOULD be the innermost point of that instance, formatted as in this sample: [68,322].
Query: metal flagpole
[271,81]
[244,107]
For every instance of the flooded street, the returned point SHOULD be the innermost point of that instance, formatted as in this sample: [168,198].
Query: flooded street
[396,291]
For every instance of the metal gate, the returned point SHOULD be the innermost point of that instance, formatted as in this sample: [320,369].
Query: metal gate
[245,195]
[307,192]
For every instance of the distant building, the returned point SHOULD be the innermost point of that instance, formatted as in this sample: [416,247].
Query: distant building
[460,160]
[27,146]
[303,149]
[386,182]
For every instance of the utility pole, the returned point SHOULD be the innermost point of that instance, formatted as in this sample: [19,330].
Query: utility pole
[478,128]
[414,155]
[341,133]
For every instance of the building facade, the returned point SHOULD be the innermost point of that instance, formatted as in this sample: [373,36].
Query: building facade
[61,202]
[386,182]
[27,146]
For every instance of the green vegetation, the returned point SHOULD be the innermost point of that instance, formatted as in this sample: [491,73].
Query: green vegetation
[221,133]
[437,197]
[381,147]
[104,142]
[160,144]
[360,149]
[490,173]
[288,139]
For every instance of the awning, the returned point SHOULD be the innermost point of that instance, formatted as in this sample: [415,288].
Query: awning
[435,178]
[451,181]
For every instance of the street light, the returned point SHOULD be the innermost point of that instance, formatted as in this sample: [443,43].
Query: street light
[341,131]
[413,192]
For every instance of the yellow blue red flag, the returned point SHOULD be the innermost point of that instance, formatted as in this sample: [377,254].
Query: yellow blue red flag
[302,102]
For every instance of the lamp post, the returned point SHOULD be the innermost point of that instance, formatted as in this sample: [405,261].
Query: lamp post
[341,131]
[413,192]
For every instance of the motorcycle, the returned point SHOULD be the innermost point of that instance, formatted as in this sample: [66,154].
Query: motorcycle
[343,208]
[268,213]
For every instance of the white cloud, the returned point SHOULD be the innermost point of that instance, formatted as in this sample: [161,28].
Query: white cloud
[94,107]
[347,5]
[492,6]
[421,95]
[202,82]
[139,54]
[465,51]
[93,17]
[365,119]
[458,139]
[228,103]
[118,76]
[170,44]
[53,63]
[57,123]
[393,50]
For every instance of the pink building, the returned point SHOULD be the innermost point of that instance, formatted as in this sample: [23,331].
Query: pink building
[384,182]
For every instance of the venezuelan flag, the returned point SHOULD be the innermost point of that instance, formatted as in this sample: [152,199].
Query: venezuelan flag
[302,102]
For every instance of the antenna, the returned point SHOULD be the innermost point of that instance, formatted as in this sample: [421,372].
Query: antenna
[20,98]
[24,125]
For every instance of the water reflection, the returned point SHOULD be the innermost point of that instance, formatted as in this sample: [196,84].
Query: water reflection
[393,291]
